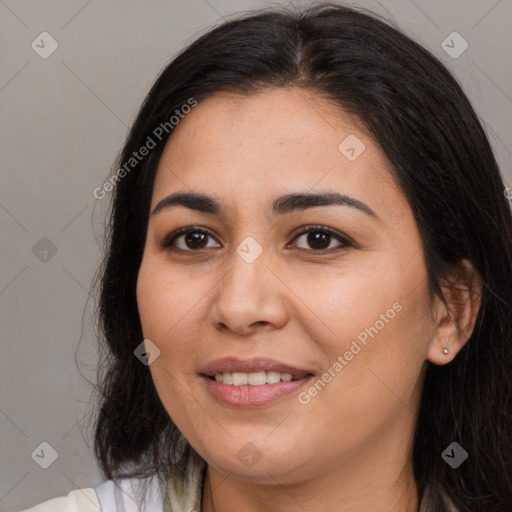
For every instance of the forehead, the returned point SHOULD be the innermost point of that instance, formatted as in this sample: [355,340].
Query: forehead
[273,142]
[292,119]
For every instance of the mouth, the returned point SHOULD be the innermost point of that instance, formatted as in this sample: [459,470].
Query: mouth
[254,378]
[252,382]
[255,371]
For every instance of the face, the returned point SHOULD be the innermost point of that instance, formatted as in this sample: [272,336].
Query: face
[335,290]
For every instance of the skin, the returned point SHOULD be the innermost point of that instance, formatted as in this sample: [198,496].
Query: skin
[295,303]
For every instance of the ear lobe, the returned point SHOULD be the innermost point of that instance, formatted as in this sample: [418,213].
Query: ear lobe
[455,324]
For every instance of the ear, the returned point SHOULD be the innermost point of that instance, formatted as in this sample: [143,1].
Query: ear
[463,293]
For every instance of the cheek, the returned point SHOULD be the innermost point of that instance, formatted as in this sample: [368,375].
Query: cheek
[167,301]
[347,300]
[167,306]
[172,309]
[373,374]
[373,328]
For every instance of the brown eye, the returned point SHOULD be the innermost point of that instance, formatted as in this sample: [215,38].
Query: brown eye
[188,239]
[320,239]
[195,240]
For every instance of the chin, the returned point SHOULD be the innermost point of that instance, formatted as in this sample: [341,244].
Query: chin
[262,464]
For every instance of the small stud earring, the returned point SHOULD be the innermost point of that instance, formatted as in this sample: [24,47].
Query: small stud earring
[445,351]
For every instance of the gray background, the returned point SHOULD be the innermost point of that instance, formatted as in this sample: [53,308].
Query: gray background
[63,120]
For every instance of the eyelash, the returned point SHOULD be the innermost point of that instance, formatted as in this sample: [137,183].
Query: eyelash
[167,243]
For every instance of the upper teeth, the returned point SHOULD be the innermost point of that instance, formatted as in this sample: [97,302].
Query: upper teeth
[253,379]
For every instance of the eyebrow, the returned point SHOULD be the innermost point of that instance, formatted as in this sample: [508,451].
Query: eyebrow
[280,206]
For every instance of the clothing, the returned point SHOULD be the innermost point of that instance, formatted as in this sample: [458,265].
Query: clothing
[106,497]
[182,494]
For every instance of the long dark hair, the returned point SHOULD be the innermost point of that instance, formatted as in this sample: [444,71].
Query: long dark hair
[443,162]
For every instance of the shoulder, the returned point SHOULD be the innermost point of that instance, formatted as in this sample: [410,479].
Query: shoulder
[130,495]
[124,495]
[78,500]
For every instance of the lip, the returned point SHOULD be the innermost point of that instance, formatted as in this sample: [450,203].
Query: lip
[249,395]
[259,364]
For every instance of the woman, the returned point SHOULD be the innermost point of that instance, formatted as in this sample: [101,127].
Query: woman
[306,297]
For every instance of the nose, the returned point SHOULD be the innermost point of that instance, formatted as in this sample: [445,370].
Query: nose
[251,296]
